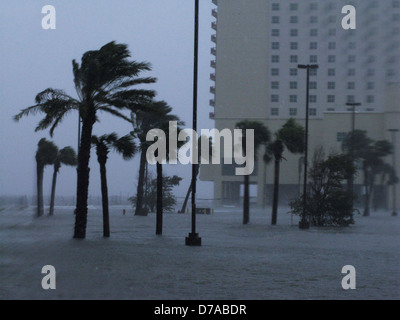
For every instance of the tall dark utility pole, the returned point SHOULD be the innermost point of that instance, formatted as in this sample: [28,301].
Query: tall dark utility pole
[304,223]
[350,182]
[193,239]
[394,131]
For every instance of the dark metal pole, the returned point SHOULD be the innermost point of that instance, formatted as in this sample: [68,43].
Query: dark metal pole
[394,131]
[304,224]
[193,239]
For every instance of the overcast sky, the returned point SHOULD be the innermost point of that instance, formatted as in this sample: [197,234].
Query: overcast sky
[33,59]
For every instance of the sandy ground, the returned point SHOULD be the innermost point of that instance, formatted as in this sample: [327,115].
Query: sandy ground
[256,261]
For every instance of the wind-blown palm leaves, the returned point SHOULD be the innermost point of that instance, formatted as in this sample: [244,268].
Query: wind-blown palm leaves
[45,155]
[105,82]
[261,137]
[291,136]
[124,146]
[66,156]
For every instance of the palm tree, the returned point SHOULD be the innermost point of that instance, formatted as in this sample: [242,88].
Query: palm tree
[127,148]
[158,116]
[65,156]
[291,136]
[45,155]
[261,137]
[104,81]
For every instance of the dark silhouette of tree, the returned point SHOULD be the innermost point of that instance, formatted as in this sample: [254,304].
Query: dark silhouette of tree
[105,82]
[124,146]
[262,136]
[290,136]
[371,154]
[45,155]
[66,156]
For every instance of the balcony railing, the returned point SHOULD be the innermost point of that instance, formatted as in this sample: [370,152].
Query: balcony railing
[214,13]
[212,103]
[214,25]
[212,90]
[212,76]
[214,51]
[212,115]
[213,64]
[214,38]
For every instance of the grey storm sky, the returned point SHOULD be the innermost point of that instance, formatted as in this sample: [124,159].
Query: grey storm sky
[33,59]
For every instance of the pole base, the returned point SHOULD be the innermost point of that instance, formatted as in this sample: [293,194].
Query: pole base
[193,240]
[394,214]
[304,225]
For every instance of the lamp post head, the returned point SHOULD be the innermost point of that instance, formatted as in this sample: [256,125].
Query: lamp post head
[393,130]
[307,66]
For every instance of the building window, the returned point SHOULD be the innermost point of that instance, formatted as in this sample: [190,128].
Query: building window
[313,85]
[313,98]
[313,72]
[331,59]
[350,98]
[332,19]
[370,72]
[352,72]
[314,19]
[352,45]
[293,85]
[313,59]
[275,19]
[313,112]
[314,32]
[274,98]
[370,99]
[331,98]
[351,85]
[332,32]
[293,98]
[275,7]
[352,58]
[370,86]
[341,136]
[396,4]
[293,111]
[274,85]
[331,72]
[313,45]
[293,72]
[275,59]
[294,6]
[314,6]
[332,45]
[294,32]
[331,85]
[294,45]
[275,72]
[275,45]
[293,59]
[294,19]
[275,32]
[274,112]
[396,17]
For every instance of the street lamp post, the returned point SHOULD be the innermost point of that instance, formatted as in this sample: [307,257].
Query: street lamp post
[193,239]
[350,185]
[304,224]
[394,131]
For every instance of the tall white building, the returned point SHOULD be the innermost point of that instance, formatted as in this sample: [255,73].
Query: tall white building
[258,45]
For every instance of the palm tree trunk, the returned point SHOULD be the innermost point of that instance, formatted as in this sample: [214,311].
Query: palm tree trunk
[83,174]
[276,193]
[39,172]
[159,215]
[246,200]
[104,199]
[189,191]
[139,196]
[53,189]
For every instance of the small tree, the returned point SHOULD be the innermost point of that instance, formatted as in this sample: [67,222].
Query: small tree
[329,203]
[127,148]
[45,155]
[66,156]
[291,136]
[261,137]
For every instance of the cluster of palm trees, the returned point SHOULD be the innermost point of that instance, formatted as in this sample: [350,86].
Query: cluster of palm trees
[49,154]
[107,81]
[290,136]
